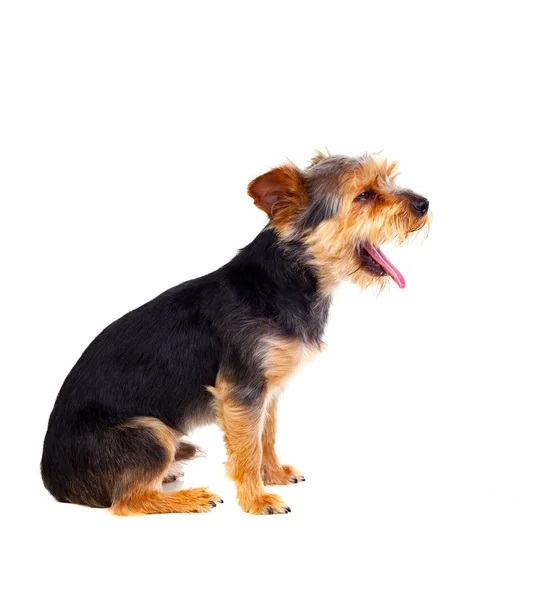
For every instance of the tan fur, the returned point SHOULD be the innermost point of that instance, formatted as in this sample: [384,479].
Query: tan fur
[281,358]
[146,502]
[273,472]
[333,245]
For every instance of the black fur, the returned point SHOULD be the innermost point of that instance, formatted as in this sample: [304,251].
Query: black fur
[157,360]
[316,213]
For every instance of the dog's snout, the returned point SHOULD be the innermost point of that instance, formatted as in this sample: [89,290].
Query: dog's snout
[420,206]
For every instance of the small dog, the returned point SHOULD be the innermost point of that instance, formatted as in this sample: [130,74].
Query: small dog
[218,349]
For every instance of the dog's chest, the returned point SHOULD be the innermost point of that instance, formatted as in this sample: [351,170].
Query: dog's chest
[283,357]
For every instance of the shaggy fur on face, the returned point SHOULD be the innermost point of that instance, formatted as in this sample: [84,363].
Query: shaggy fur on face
[337,207]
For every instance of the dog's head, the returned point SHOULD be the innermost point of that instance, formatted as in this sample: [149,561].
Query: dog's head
[342,209]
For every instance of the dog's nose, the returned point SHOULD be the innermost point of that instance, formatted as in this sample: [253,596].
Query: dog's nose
[420,206]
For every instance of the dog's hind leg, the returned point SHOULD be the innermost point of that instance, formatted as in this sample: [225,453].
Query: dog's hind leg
[138,490]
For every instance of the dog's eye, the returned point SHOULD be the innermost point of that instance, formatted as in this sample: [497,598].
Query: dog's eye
[365,195]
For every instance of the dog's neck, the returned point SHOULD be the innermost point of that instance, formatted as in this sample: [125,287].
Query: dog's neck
[282,286]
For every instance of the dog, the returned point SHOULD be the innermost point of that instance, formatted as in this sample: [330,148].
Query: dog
[218,349]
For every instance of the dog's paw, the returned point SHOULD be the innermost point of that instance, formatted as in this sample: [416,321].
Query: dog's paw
[282,475]
[198,499]
[266,504]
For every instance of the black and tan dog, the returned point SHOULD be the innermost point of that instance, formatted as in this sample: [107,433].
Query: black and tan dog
[219,348]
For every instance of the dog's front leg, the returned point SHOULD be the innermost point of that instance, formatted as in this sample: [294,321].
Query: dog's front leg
[243,425]
[273,473]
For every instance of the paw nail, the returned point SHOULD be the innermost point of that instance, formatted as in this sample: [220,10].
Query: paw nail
[294,479]
[220,500]
[269,510]
[302,478]
[212,502]
[287,509]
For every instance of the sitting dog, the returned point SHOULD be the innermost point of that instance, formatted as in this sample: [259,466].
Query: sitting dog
[218,349]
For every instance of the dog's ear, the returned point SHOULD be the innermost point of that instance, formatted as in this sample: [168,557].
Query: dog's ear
[279,191]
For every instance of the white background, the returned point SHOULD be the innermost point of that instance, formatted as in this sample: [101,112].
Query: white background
[129,131]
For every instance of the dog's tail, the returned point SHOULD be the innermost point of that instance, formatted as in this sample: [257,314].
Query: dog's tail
[186,451]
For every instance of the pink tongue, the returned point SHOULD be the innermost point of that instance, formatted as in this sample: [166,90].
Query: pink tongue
[382,260]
